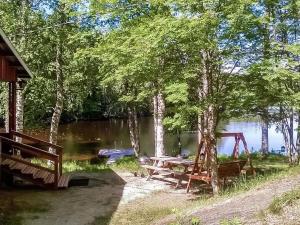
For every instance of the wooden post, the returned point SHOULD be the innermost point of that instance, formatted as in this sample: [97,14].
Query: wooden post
[60,163]
[0,161]
[56,173]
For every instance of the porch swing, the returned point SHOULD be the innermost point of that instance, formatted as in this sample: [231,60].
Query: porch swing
[232,168]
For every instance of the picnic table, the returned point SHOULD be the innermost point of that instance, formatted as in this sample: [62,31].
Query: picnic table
[165,166]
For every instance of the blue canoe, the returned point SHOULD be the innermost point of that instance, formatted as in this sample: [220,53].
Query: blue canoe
[114,154]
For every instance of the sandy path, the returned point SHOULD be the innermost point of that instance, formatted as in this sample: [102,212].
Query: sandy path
[245,206]
[82,205]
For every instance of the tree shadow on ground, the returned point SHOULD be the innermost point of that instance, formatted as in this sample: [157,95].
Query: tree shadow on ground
[94,204]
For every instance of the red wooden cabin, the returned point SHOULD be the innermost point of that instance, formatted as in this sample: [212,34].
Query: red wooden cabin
[15,157]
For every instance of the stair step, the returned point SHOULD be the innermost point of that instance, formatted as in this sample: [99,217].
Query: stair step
[17,166]
[24,169]
[40,174]
[49,179]
[7,162]
[12,164]
[27,170]
[64,181]
[33,174]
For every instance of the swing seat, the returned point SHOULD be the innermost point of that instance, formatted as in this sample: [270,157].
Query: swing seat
[203,176]
[231,169]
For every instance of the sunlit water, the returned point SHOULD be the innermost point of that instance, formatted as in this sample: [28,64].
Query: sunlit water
[82,140]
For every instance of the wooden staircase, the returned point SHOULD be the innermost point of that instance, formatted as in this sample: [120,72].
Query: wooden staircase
[23,166]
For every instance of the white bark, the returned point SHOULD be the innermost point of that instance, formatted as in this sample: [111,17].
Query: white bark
[265,136]
[207,120]
[19,111]
[59,90]
[134,132]
[159,132]
[298,141]
[7,111]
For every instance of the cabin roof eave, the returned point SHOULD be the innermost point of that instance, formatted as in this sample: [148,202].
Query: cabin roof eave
[16,55]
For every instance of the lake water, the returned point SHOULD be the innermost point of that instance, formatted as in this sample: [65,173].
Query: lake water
[82,140]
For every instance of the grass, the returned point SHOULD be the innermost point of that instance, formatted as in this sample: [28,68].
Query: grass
[141,216]
[268,168]
[234,221]
[129,164]
[287,199]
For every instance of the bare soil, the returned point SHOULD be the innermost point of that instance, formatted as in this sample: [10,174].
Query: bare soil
[105,194]
[121,198]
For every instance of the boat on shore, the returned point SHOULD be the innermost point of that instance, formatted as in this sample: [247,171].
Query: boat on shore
[112,155]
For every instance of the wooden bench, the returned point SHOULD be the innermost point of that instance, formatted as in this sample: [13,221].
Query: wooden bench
[155,169]
[226,169]
[231,169]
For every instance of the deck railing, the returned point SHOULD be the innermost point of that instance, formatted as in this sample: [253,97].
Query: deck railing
[54,158]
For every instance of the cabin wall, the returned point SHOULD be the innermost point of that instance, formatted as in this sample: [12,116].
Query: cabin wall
[7,73]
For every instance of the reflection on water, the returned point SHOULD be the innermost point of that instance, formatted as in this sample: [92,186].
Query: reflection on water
[83,139]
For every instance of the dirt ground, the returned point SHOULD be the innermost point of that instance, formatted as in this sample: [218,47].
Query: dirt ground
[121,198]
[96,203]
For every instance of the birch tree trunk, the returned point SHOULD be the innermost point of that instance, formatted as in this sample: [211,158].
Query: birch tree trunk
[287,126]
[59,84]
[20,92]
[134,132]
[265,136]
[6,110]
[19,110]
[207,120]
[59,96]
[159,132]
[298,141]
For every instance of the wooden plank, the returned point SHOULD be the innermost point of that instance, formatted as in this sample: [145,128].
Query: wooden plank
[31,150]
[26,162]
[148,167]
[63,181]
[33,171]
[38,174]
[49,179]
[26,177]
[24,169]
[57,147]
[11,165]
[164,158]
[0,161]
[6,162]
[17,166]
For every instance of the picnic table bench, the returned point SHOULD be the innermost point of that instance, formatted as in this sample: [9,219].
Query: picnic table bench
[165,166]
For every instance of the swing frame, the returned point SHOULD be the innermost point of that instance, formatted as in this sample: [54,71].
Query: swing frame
[227,169]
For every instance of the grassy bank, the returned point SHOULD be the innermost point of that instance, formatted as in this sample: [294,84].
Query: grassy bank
[128,164]
[268,168]
[144,211]
[287,199]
